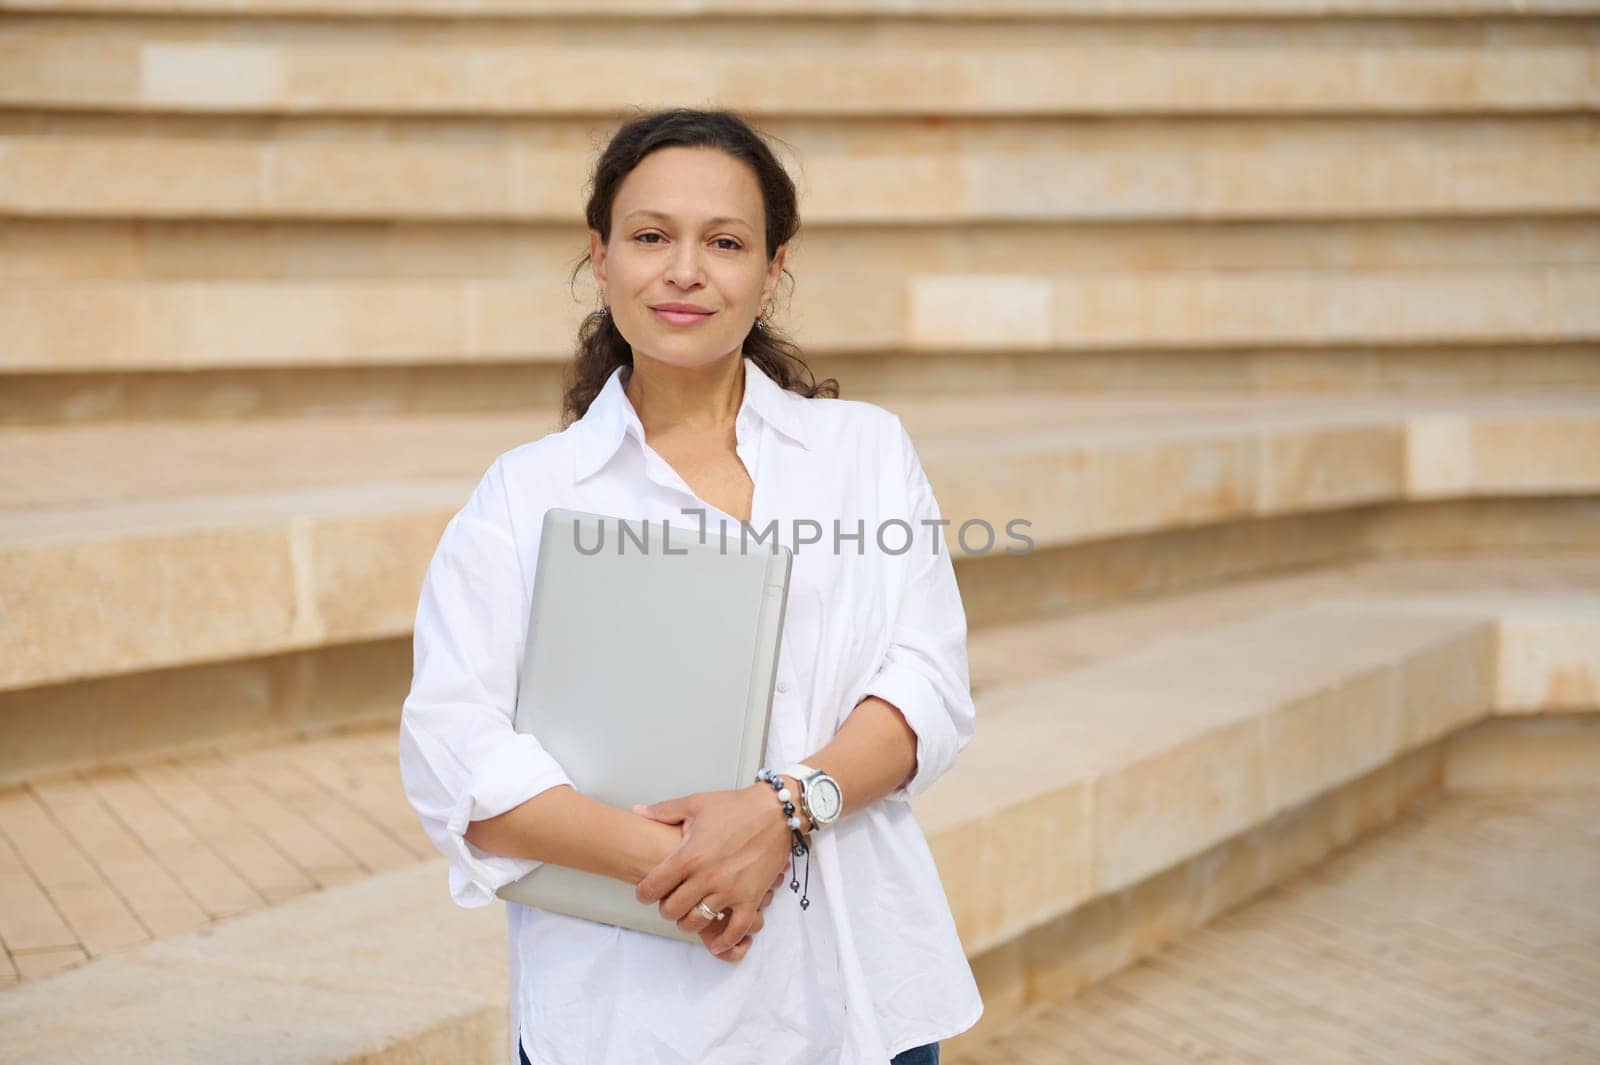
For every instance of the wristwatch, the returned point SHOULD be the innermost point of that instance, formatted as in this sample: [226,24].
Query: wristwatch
[820,795]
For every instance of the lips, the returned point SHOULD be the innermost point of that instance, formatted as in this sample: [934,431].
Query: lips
[680,313]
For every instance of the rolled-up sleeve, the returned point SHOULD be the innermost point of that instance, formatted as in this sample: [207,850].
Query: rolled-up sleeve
[460,758]
[924,674]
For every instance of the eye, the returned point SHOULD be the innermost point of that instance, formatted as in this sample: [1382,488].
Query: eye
[719,241]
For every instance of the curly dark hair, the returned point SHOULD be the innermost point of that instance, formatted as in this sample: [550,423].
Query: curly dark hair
[601,347]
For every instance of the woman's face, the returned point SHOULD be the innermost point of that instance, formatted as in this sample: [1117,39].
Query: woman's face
[686,227]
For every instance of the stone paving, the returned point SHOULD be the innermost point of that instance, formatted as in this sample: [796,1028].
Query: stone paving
[97,861]
[1466,931]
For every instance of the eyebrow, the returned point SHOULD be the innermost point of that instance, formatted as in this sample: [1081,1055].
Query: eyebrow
[717,221]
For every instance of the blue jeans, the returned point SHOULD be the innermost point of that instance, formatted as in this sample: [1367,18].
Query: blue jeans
[927,1054]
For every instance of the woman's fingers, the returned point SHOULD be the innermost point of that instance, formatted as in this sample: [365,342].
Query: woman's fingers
[678,904]
[736,953]
[697,922]
[712,933]
[740,923]
[708,931]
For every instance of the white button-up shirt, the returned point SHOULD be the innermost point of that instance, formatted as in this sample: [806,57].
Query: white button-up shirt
[874,966]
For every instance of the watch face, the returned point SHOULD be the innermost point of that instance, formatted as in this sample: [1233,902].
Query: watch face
[824,799]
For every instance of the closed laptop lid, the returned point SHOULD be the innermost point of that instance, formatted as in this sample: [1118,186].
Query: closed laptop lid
[648,674]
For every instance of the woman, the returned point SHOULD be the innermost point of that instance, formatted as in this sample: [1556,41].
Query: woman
[683,400]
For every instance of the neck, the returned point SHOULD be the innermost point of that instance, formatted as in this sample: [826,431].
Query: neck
[685,399]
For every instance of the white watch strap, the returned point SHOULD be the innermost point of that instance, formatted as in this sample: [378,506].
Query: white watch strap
[800,771]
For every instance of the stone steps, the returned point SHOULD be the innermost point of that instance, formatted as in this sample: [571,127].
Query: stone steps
[965,10]
[1013,655]
[1278,198]
[94,326]
[1510,443]
[237,251]
[120,319]
[1181,773]
[149,573]
[126,853]
[860,174]
[1045,65]
[508,391]
[1196,722]
[374,969]
[1194,738]
[1476,959]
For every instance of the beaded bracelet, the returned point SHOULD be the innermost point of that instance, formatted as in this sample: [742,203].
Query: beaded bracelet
[766,776]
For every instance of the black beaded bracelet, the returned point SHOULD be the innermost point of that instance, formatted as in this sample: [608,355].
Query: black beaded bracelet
[766,776]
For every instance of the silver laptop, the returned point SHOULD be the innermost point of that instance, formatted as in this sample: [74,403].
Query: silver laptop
[648,675]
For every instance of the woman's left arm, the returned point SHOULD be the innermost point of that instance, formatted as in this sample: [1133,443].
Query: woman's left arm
[922,689]
[914,717]
[872,756]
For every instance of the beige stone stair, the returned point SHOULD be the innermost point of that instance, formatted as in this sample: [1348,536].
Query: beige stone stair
[1335,965]
[94,326]
[1229,737]
[375,970]
[305,533]
[1008,67]
[1195,768]
[965,10]
[974,172]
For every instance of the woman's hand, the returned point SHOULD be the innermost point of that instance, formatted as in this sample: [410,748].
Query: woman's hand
[712,929]
[733,854]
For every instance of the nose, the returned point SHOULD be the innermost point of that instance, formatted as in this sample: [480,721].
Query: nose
[684,268]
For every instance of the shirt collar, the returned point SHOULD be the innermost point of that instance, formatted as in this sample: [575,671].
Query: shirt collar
[611,417]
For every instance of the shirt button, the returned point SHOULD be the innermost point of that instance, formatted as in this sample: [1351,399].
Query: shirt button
[783,685]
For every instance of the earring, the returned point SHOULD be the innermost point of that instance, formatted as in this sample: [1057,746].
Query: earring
[605,311]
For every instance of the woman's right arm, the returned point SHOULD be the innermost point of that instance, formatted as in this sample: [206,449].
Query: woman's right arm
[493,800]
[566,827]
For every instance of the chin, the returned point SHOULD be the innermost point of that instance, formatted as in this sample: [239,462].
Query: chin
[685,360]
